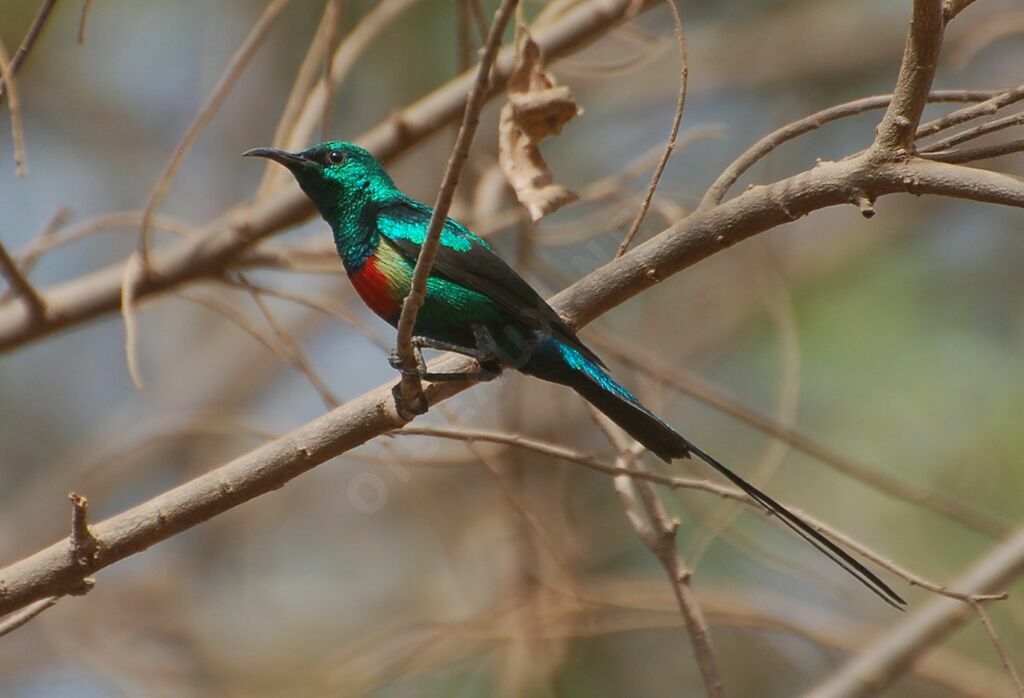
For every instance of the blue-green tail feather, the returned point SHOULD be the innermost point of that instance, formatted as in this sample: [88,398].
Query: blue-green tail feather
[560,362]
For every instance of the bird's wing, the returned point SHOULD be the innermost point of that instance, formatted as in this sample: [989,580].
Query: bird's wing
[469,261]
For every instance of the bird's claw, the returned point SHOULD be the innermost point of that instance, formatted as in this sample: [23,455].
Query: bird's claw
[399,365]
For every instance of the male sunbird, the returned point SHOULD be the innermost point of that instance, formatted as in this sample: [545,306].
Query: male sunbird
[478,306]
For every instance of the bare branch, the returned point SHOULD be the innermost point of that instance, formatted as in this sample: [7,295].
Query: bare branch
[978,131]
[83,20]
[875,477]
[987,107]
[17,130]
[658,533]
[218,94]
[717,191]
[29,41]
[895,136]
[410,389]
[20,618]
[983,152]
[870,672]
[223,240]
[21,286]
[677,119]
[305,108]
[1003,656]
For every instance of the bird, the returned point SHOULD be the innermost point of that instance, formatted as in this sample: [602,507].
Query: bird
[478,306]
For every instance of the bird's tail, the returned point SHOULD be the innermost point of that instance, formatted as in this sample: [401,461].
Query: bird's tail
[561,363]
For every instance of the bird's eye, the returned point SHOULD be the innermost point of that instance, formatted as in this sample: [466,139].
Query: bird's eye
[335,157]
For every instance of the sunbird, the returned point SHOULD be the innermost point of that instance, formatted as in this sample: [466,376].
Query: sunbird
[477,305]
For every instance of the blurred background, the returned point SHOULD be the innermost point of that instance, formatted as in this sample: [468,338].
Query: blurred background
[422,567]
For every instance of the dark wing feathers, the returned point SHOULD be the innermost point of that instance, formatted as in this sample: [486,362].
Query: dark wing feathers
[469,261]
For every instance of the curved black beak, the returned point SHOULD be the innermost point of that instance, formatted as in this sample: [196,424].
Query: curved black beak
[289,160]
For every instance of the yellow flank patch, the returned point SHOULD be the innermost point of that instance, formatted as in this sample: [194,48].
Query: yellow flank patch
[395,268]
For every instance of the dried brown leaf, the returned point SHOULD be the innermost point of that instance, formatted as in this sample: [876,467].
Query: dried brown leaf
[537,107]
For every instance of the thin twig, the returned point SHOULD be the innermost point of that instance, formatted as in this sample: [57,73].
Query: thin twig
[658,533]
[291,346]
[138,267]
[988,107]
[228,237]
[888,656]
[83,20]
[239,61]
[411,390]
[970,134]
[670,146]
[20,285]
[1003,656]
[983,152]
[30,39]
[717,191]
[344,60]
[332,18]
[83,543]
[17,130]
[19,618]
[877,478]
[310,71]
[27,260]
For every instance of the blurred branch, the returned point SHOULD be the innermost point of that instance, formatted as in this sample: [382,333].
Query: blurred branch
[138,267]
[225,83]
[307,105]
[83,20]
[889,657]
[692,239]
[648,517]
[29,41]
[874,477]
[222,241]
[373,414]
[17,130]
[20,285]
[19,618]
[670,146]
[979,609]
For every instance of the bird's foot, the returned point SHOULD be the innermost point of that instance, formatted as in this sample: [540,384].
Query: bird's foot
[399,365]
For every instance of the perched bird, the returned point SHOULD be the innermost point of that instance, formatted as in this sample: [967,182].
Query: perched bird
[478,306]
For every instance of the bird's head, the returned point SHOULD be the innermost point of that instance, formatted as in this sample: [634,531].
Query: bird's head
[332,173]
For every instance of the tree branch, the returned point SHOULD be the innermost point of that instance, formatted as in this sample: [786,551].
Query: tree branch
[411,389]
[891,656]
[221,242]
[29,41]
[895,133]
[700,235]
[34,304]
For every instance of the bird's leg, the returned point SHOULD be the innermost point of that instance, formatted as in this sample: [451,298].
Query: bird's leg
[489,369]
